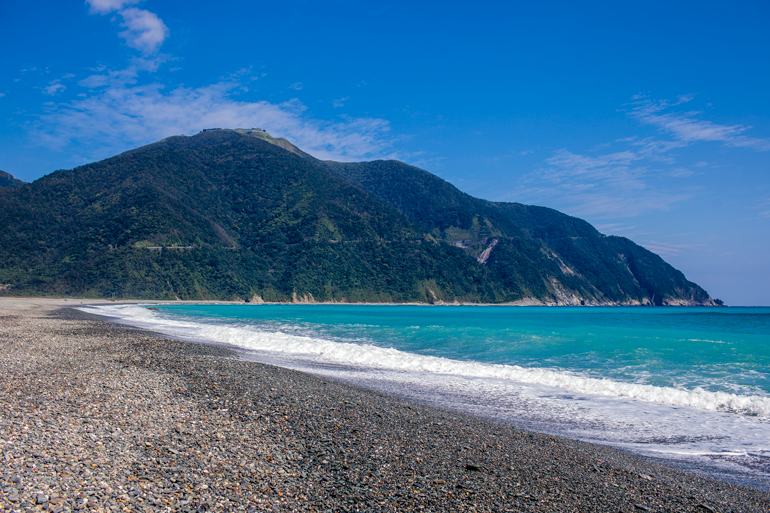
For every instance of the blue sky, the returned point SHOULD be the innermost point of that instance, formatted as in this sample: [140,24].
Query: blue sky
[651,121]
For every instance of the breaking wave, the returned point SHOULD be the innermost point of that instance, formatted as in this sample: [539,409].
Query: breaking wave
[375,357]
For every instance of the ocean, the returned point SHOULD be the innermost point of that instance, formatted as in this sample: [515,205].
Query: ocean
[690,386]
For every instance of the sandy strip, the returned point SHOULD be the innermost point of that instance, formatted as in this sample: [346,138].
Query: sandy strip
[96,416]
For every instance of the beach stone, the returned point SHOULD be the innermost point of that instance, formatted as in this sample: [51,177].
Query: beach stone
[117,418]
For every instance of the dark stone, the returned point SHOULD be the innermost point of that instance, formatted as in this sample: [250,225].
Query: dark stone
[472,468]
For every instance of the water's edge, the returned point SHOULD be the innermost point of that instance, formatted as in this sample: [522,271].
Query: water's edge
[541,408]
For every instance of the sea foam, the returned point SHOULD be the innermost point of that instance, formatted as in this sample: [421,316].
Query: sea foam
[374,357]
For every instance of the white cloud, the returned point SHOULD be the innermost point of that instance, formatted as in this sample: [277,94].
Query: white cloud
[297,86]
[643,176]
[144,30]
[54,87]
[340,102]
[615,227]
[2,94]
[614,185]
[687,128]
[108,6]
[124,76]
[669,250]
[121,115]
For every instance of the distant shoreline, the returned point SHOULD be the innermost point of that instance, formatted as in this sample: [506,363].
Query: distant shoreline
[69,300]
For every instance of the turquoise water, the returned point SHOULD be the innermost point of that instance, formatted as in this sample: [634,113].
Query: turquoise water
[687,384]
[715,349]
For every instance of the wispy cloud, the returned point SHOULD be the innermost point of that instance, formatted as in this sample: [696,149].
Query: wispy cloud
[54,87]
[668,250]
[340,102]
[119,114]
[108,6]
[297,86]
[643,175]
[765,204]
[145,31]
[127,75]
[615,227]
[606,186]
[687,127]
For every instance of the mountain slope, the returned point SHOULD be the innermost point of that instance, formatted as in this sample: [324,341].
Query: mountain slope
[561,258]
[250,217]
[237,214]
[7,180]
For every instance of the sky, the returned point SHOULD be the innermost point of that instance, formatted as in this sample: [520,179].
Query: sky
[650,121]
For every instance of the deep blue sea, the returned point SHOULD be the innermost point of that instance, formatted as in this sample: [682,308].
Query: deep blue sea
[690,385]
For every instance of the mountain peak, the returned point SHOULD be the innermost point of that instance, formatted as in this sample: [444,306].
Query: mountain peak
[7,180]
[265,136]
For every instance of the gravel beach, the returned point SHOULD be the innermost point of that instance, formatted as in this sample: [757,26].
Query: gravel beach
[100,417]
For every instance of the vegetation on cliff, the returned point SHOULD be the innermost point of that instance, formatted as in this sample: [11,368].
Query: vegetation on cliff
[235,214]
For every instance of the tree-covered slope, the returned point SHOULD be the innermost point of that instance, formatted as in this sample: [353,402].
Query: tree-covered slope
[237,214]
[7,180]
[548,253]
[222,215]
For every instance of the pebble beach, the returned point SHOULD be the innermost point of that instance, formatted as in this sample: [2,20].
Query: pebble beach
[96,416]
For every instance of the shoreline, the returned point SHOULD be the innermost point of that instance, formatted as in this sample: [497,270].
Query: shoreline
[527,302]
[116,417]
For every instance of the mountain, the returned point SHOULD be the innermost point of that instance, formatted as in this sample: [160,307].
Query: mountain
[537,249]
[238,214]
[7,180]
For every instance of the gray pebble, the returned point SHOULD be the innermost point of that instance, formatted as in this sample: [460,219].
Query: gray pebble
[100,416]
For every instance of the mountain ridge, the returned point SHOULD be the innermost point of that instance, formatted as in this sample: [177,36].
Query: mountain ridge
[8,180]
[238,214]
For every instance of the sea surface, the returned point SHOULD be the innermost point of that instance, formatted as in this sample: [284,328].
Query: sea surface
[687,385]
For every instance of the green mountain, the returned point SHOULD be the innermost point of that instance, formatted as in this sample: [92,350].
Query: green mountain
[237,214]
[7,180]
[536,249]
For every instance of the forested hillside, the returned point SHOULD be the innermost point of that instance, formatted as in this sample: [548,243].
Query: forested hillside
[235,215]
[7,180]
[534,248]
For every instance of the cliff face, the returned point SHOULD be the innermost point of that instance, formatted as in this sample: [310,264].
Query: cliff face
[237,214]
